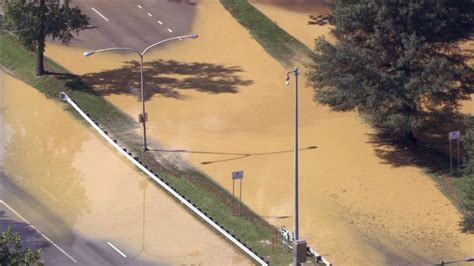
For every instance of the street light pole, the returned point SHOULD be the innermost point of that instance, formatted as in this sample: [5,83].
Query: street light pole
[144,116]
[141,54]
[297,73]
[297,214]
[299,245]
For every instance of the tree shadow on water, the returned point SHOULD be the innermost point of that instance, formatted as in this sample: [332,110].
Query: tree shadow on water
[167,78]
[431,151]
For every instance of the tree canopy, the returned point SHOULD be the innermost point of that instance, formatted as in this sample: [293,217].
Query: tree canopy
[397,62]
[33,20]
[12,252]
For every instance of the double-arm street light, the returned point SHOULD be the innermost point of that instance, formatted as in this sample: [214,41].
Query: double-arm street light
[143,117]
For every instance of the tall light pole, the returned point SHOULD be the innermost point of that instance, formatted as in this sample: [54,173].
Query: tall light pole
[299,248]
[297,73]
[144,117]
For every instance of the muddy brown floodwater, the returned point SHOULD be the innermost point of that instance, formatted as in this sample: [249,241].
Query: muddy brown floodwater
[294,18]
[70,170]
[221,98]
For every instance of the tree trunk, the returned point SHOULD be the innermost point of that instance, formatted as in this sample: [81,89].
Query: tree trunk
[40,57]
[410,137]
[41,40]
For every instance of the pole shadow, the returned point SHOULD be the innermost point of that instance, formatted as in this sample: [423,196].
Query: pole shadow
[186,2]
[238,155]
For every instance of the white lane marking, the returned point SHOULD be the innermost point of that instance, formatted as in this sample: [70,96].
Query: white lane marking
[159,21]
[139,6]
[116,249]
[100,14]
[170,30]
[150,15]
[39,232]
[47,193]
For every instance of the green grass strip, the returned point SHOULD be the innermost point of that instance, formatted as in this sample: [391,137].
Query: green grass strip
[285,48]
[205,193]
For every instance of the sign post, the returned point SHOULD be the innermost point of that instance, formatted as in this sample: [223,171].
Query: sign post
[453,135]
[237,175]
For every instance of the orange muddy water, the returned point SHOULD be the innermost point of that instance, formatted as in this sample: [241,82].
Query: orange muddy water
[221,100]
[293,17]
[79,178]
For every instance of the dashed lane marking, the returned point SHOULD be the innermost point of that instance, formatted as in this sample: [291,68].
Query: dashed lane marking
[116,249]
[38,231]
[100,14]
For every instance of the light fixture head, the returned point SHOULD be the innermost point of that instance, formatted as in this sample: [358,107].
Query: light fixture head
[287,80]
[89,53]
[194,36]
[63,96]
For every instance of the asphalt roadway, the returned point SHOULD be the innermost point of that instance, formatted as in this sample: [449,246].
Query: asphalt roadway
[133,23]
[122,23]
[41,229]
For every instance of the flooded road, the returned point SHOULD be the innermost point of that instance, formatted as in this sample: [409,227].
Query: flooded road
[64,166]
[294,18]
[221,99]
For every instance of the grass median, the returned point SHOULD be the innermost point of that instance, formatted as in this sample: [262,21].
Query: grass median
[285,48]
[205,193]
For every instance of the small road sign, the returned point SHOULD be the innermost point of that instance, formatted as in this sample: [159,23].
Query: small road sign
[454,135]
[238,175]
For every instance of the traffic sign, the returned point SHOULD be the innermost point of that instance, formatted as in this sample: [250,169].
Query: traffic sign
[454,135]
[238,175]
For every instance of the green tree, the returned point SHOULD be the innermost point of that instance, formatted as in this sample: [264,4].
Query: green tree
[397,62]
[12,253]
[34,20]
[468,140]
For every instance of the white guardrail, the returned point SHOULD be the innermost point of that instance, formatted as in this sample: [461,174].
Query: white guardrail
[175,194]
